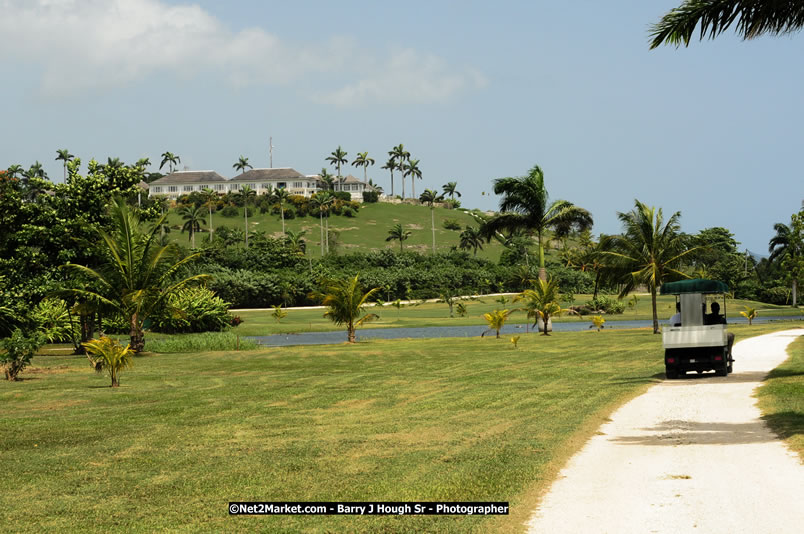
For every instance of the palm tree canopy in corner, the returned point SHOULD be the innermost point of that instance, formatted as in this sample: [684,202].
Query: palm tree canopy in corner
[752,18]
[171,159]
[242,164]
[525,206]
[338,158]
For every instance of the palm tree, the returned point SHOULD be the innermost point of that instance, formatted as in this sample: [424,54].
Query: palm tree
[391,165]
[398,233]
[108,354]
[171,159]
[430,197]
[756,17]
[65,156]
[192,217]
[113,163]
[338,158]
[210,200]
[496,319]
[15,170]
[363,160]
[471,238]
[295,240]
[242,164]
[346,303]
[245,195]
[399,155]
[749,313]
[143,163]
[450,188]
[322,201]
[525,206]
[541,302]
[328,180]
[787,247]
[648,252]
[139,275]
[411,169]
[280,196]
[36,171]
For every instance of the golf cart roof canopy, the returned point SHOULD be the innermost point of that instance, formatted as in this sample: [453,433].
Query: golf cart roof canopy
[696,285]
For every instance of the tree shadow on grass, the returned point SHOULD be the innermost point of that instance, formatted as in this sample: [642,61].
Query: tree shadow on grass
[782,373]
[786,424]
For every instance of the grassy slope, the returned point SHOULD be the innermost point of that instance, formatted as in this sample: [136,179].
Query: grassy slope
[782,399]
[366,231]
[384,420]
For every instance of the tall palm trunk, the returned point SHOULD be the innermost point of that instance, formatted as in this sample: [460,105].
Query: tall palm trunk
[326,231]
[655,314]
[282,214]
[245,213]
[403,187]
[136,334]
[795,293]
[542,270]
[392,183]
[432,225]
[211,230]
[321,226]
[413,185]
[192,236]
[351,331]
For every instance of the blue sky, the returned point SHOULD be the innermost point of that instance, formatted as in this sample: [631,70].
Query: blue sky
[475,90]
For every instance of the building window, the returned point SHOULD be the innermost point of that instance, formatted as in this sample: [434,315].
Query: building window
[281,185]
[265,186]
[172,189]
[188,188]
[234,187]
[298,185]
[157,189]
[219,187]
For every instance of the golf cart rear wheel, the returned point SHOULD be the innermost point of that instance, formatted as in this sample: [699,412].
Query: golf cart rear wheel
[671,374]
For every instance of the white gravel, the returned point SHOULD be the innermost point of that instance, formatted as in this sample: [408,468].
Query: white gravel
[690,455]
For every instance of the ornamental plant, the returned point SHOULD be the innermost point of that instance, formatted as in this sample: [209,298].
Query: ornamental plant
[19,349]
[107,354]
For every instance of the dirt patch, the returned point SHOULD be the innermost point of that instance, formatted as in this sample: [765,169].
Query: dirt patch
[413,226]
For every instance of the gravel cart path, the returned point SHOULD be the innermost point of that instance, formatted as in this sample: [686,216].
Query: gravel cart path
[690,455]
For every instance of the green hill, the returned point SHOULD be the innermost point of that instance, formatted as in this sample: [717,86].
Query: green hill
[365,231]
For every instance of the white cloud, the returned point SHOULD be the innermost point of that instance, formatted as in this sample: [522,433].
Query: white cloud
[96,44]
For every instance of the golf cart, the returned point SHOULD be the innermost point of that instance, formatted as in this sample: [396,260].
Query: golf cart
[696,345]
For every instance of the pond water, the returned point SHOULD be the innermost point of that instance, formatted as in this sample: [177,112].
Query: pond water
[329,338]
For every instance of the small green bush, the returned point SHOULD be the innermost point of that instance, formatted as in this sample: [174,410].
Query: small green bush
[606,304]
[343,195]
[192,309]
[53,320]
[370,197]
[230,211]
[19,349]
[348,212]
[452,224]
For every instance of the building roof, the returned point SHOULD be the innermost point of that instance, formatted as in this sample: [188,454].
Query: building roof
[351,180]
[189,177]
[259,175]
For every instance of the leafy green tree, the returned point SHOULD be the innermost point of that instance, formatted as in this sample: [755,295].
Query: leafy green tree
[471,238]
[278,313]
[496,319]
[363,160]
[787,249]
[450,188]
[138,275]
[525,206]
[429,198]
[542,302]
[114,163]
[242,164]
[649,251]
[246,196]
[752,17]
[346,303]
[411,168]
[192,217]
[107,354]
[65,156]
[397,233]
[18,350]
[171,160]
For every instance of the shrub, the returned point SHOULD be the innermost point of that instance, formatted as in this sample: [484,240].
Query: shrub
[290,213]
[370,197]
[452,224]
[53,320]
[230,211]
[606,304]
[452,203]
[107,354]
[19,349]
[348,212]
[343,195]
[193,309]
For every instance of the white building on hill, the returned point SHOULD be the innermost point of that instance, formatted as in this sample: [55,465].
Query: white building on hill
[260,180]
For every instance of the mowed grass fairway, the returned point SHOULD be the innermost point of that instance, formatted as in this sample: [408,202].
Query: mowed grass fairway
[412,420]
